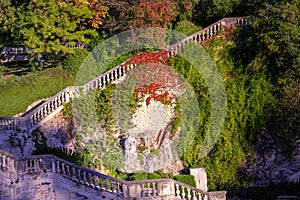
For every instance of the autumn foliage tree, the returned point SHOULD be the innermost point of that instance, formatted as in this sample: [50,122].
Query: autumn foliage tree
[155,13]
[100,12]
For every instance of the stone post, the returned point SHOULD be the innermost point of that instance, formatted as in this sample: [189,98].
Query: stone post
[217,195]
[200,178]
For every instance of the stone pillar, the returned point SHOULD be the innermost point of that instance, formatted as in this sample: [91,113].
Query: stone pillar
[200,178]
[217,195]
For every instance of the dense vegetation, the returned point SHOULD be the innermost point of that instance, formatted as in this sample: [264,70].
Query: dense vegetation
[259,65]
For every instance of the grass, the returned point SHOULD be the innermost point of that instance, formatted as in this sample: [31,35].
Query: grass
[21,91]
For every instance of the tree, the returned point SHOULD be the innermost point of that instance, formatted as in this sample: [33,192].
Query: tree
[51,28]
[154,13]
[7,21]
[278,53]
[99,10]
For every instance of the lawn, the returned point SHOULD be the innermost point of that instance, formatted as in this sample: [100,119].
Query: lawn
[20,91]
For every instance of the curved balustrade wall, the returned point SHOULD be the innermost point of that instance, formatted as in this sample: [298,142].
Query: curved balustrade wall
[32,119]
[155,188]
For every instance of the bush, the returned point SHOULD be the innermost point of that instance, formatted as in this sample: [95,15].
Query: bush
[72,61]
[186,27]
[187,179]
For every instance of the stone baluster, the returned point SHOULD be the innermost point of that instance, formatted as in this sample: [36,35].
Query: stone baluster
[90,180]
[36,165]
[58,101]
[150,190]
[100,182]
[84,176]
[177,191]
[79,175]
[183,192]
[111,76]
[53,165]
[104,81]
[117,73]
[3,165]
[68,171]
[95,181]
[200,196]
[120,72]
[194,195]
[98,83]
[28,166]
[207,33]
[215,29]
[5,123]
[112,186]
[32,120]
[189,194]
[73,173]
[106,184]
[211,32]
[118,188]
[142,191]
[57,167]
[107,78]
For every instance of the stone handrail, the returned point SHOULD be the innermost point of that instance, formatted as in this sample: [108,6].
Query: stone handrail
[155,188]
[19,53]
[32,119]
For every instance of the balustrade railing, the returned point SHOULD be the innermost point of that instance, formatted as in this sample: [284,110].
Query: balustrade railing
[155,188]
[15,54]
[32,119]
[184,191]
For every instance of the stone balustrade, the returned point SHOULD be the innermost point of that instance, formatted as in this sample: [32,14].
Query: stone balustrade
[7,162]
[184,191]
[15,53]
[8,123]
[208,32]
[33,118]
[152,189]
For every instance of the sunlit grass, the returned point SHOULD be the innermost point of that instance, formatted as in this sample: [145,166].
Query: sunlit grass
[20,91]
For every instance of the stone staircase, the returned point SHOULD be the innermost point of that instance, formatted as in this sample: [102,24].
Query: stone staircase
[33,118]
[50,177]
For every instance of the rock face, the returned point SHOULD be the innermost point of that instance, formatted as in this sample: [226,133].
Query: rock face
[58,132]
[270,165]
[151,136]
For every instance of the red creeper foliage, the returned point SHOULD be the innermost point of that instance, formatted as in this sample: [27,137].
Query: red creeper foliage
[154,80]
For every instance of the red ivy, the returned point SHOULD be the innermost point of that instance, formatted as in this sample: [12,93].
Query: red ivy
[149,57]
[156,92]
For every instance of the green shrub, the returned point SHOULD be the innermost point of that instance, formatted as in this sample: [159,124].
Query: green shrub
[67,111]
[72,61]
[187,179]
[186,27]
